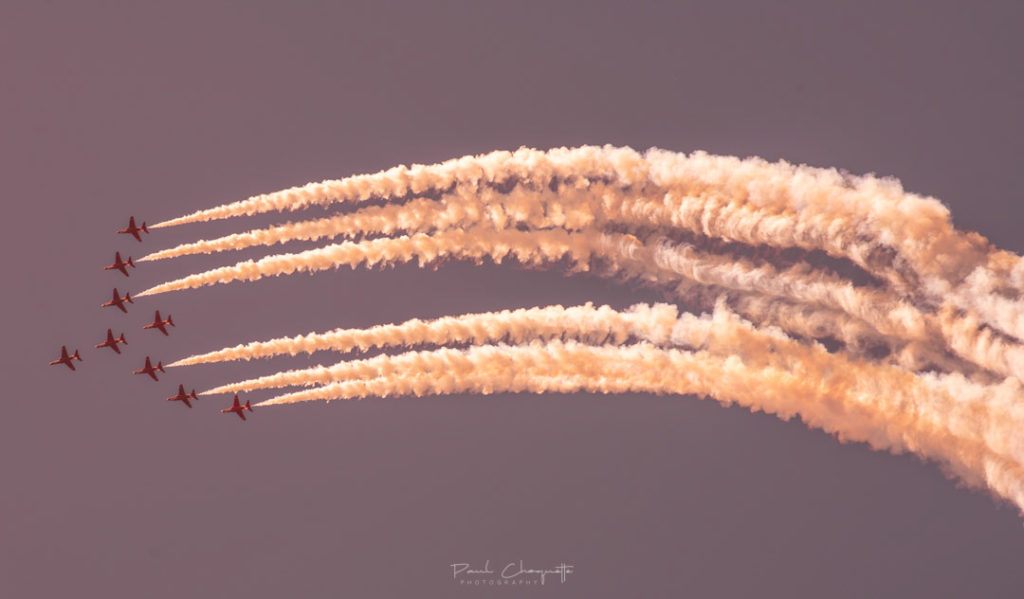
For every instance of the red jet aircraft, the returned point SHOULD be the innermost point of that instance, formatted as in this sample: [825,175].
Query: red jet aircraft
[119,265]
[150,369]
[237,408]
[160,324]
[182,396]
[65,359]
[119,301]
[131,228]
[112,341]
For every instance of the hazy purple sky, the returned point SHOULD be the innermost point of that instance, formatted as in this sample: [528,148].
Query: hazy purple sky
[109,109]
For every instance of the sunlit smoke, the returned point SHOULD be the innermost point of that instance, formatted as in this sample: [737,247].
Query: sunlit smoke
[841,299]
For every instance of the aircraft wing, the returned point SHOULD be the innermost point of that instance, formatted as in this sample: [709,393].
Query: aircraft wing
[187,403]
[162,327]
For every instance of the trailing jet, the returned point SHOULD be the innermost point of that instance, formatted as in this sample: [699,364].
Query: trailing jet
[119,301]
[119,265]
[160,324]
[65,359]
[112,341]
[182,396]
[237,408]
[131,228]
[150,369]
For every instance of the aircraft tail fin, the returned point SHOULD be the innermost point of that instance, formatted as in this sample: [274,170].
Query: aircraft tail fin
[169,321]
[76,356]
[128,297]
[160,366]
[121,339]
[247,406]
[143,227]
[193,395]
[129,262]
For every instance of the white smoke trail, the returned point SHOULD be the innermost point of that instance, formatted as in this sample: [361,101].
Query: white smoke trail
[462,208]
[902,292]
[886,315]
[537,248]
[721,333]
[585,323]
[839,208]
[889,316]
[496,167]
[842,402]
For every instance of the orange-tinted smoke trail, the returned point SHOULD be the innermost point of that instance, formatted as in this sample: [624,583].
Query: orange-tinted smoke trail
[897,417]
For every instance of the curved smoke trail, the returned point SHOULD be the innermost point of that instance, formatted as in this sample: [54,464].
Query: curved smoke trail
[841,299]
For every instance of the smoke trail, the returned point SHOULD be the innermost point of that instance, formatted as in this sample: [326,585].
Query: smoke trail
[866,311]
[497,167]
[585,323]
[721,333]
[887,316]
[539,247]
[839,207]
[545,246]
[459,209]
[841,402]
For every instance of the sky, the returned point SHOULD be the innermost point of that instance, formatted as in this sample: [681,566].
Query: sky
[110,109]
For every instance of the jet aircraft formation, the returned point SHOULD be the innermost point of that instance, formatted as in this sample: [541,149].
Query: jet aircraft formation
[160,324]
